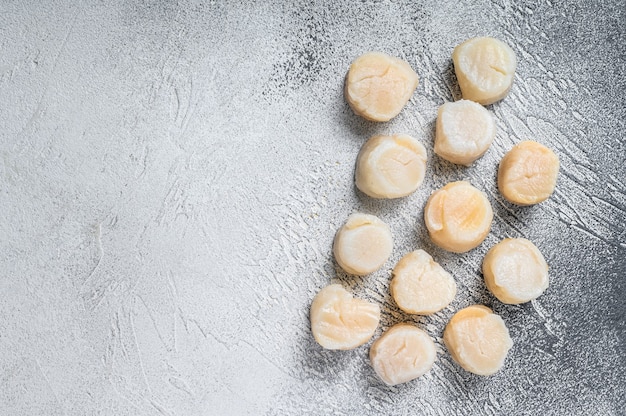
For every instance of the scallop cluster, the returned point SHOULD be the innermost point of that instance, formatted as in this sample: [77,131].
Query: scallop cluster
[458,218]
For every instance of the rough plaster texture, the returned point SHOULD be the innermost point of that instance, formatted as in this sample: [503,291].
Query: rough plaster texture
[172,175]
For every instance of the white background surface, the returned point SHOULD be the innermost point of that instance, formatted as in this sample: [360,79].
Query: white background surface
[172,175]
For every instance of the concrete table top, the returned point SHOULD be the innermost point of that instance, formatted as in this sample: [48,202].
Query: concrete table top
[172,175]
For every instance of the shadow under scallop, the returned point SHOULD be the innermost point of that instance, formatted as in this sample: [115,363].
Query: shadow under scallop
[449,77]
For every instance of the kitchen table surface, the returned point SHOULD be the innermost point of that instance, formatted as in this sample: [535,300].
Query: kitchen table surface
[172,175]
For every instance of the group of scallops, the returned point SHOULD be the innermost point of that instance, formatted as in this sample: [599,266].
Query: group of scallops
[458,218]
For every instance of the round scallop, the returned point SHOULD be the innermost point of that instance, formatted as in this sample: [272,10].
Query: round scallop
[390,166]
[402,354]
[527,173]
[420,285]
[478,340]
[458,217]
[340,321]
[484,68]
[363,244]
[378,86]
[465,130]
[515,271]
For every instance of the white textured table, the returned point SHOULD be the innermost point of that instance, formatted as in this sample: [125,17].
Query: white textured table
[172,175]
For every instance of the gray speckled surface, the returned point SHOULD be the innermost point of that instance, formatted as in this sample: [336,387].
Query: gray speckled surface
[172,175]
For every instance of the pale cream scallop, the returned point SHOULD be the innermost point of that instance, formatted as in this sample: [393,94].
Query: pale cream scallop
[527,173]
[340,321]
[378,86]
[390,166]
[478,340]
[485,68]
[465,130]
[363,244]
[458,217]
[420,285]
[402,354]
[515,271]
